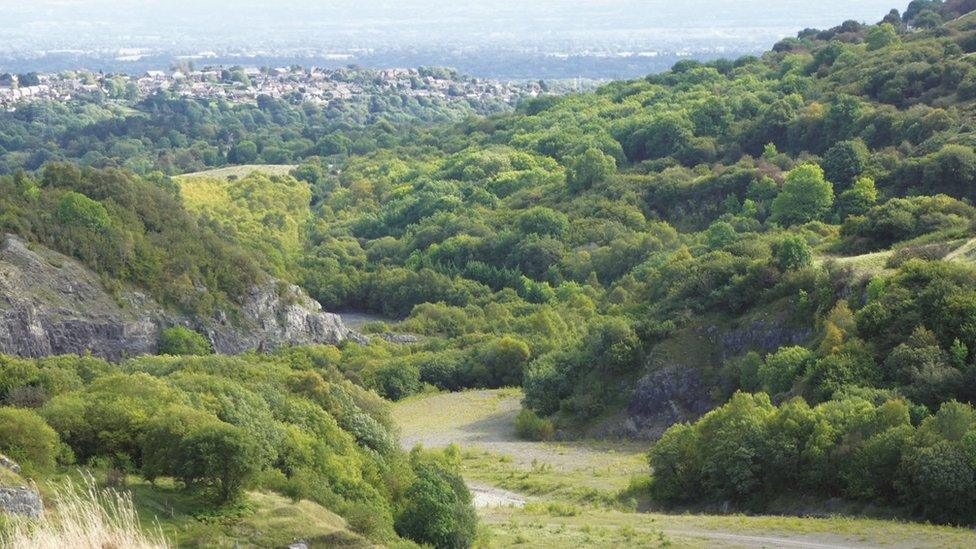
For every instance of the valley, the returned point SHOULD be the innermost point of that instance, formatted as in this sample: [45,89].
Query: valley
[728,304]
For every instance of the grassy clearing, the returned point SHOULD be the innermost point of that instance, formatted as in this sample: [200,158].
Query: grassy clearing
[241,171]
[596,482]
[484,421]
[574,490]
[863,265]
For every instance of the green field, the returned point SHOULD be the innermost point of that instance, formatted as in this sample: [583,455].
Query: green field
[573,494]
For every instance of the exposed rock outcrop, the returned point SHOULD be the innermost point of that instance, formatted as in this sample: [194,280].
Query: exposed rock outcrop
[663,398]
[21,501]
[675,390]
[51,304]
[18,499]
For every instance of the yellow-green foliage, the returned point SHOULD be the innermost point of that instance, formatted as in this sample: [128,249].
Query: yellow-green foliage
[266,212]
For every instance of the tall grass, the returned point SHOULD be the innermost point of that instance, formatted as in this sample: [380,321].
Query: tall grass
[85,517]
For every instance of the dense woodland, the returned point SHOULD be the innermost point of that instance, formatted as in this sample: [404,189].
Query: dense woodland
[565,248]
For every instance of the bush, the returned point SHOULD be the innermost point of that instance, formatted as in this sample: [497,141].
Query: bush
[183,341]
[792,253]
[76,209]
[397,380]
[27,439]
[783,367]
[530,426]
[437,510]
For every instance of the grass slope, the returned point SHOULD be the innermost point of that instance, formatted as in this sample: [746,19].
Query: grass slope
[262,520]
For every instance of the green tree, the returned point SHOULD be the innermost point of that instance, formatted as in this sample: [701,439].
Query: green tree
[844,162]
[805,196]
[179,340]
[438,510]
[858,199]
[792,253]
[782,368]
[881,36]
[720,234]
[76,209]
[505,359]
[543,221]
[244,152]
[588,169]
[218,456]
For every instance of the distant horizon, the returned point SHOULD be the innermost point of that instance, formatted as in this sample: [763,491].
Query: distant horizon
[601,39]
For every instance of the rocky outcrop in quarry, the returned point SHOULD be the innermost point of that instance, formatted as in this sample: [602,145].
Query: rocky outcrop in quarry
[673,389]
[18,499]
[51,304]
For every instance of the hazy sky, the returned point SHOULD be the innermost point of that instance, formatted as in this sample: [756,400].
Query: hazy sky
[48,24]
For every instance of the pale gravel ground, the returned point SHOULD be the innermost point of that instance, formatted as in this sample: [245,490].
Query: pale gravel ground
[484,420]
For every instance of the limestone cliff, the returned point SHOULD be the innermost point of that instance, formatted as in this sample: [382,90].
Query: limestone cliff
[51,304]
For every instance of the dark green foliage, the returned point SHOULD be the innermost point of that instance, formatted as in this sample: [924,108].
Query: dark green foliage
[437,509]
[219,456]
[749,451]
[792,253]
[844,162]
[529,426]
[588,169]
[902,219]
[133,230]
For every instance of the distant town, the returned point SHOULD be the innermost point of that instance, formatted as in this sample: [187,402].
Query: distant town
[294,84]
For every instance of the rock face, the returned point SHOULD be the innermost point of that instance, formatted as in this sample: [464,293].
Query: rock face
[673,391]
[51,304]
[663,398]
[275,314]
[21,501]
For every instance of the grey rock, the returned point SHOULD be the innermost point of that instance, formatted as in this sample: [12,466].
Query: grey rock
[21,501]
[51,304]
[9,464]
[763,335]
[673,392]
[662,398]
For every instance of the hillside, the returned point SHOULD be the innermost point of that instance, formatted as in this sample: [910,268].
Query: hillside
[742,286]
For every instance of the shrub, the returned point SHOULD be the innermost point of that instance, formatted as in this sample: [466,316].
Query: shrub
[183,341]
[397,380]
[588,169]
[530,426]
[437,510]
[792,253]
[76,209]
[783,367]
[27,439]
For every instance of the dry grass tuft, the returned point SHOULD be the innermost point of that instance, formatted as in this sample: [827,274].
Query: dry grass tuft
[85,518]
